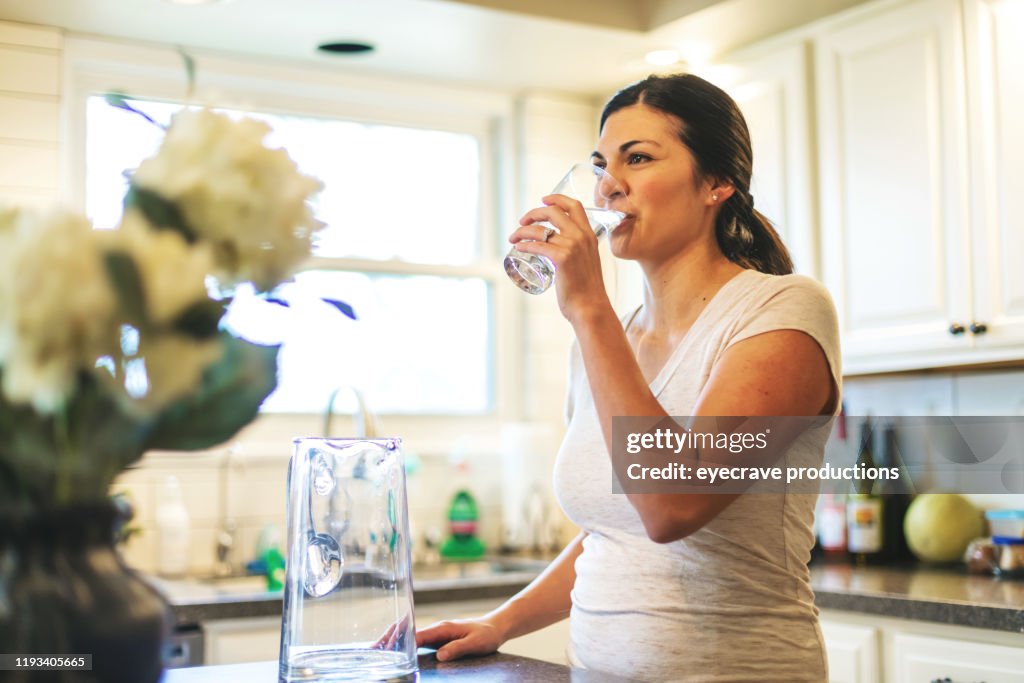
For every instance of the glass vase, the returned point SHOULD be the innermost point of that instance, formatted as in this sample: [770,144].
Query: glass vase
[64,590]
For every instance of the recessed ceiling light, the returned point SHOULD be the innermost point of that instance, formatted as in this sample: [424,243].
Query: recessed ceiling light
[346,48]
[661,57]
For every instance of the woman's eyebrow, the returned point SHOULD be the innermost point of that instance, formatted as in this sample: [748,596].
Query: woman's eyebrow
[624,147]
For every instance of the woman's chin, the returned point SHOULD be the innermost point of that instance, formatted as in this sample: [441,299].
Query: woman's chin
[618,243]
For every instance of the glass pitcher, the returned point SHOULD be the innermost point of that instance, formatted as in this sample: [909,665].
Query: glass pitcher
[348,604]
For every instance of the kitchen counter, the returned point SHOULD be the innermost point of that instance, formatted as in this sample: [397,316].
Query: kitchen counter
[194,601]
[476,670]
[947,596]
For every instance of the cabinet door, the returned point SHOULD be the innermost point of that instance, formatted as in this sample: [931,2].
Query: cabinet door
[771,90]
[918,659]
[236,641]
[995,62]
[852,652]
[892,179]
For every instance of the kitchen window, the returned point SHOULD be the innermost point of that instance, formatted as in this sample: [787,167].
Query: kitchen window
[404,245]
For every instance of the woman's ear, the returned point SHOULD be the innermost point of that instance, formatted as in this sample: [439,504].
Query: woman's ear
[718,191]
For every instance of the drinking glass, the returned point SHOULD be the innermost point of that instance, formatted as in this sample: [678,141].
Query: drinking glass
[595,189]
[348,600]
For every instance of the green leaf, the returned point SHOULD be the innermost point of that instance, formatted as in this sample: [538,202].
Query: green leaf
[124,276]
[201,319]
[120,101]
[190,72]
[162,213]
[233,389]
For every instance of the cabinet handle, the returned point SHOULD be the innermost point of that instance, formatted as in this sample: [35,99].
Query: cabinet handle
[955,329]
[979,328]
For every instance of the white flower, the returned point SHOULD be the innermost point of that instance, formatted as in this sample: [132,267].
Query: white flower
[173,273]
[56,306]
[249,202]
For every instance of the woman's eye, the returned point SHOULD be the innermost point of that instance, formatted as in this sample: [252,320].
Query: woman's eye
[636,158]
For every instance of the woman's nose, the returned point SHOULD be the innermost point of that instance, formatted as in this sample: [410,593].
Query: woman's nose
[610,189]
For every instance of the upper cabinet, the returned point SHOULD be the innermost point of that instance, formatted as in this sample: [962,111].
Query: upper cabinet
[893,182]
[920,228]
[770,87]
[995,88]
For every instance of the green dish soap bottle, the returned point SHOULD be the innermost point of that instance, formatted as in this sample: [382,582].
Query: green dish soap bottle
[462,545]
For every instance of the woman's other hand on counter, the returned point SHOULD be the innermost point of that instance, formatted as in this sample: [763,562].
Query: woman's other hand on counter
[461,638]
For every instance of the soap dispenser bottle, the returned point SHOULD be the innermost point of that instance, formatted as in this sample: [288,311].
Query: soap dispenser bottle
[462,544]
[172,523]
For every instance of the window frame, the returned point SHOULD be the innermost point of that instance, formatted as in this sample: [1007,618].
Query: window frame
[94,66]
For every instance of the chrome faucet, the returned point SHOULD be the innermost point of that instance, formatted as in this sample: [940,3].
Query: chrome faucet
[364,421]
[226,533]
[365,426]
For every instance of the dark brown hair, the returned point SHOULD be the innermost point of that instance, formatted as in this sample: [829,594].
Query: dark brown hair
[714,130]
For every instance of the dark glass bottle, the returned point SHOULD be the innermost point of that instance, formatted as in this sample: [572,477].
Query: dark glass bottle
[897,493]
[865,532]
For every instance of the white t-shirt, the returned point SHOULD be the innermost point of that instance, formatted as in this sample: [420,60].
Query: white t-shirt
[733,601]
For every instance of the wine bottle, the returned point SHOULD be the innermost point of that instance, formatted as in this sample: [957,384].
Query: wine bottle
[832,527]
[864,523]
[897,493]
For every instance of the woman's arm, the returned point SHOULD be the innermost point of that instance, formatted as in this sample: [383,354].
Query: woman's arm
[545,601]
[779,373]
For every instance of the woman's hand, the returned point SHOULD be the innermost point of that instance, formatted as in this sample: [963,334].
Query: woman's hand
[573,249]
[461,638]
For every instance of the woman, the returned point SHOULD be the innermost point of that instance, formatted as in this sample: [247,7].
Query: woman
[669,586]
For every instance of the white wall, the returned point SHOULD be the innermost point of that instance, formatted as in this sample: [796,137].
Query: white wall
[30,107]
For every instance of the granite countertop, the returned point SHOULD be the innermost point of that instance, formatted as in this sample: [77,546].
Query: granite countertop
[942,595]
[488,669]
[194,601]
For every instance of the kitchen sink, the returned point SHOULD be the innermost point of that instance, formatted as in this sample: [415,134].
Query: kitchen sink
[475,571]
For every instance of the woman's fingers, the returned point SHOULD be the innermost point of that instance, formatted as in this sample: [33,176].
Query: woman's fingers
[459,639]
[439,633]
[567,215]
[570,207]
[533,232]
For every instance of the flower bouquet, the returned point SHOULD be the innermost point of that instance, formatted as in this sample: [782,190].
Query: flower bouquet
[111,344]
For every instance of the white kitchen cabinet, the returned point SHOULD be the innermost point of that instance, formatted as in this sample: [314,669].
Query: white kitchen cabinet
[995,62]
[925,658]
[922,222]
[893,184]
[853,652]
[770,86]
[907,651]
[236,641]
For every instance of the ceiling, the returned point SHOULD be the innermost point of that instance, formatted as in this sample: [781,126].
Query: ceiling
[573,46]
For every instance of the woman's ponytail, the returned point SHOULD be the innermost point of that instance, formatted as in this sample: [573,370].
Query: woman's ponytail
[747,238]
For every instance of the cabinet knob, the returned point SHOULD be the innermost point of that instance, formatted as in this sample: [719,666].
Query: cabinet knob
[956,329]
[979,328]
